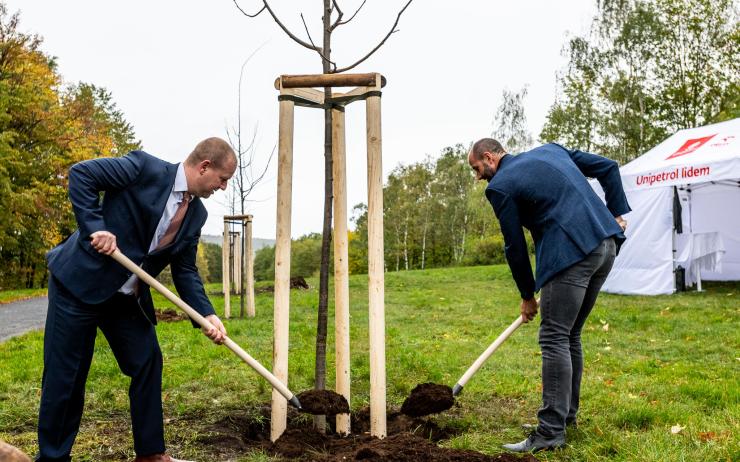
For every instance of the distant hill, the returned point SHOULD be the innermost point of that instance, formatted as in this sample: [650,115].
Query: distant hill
[257,243]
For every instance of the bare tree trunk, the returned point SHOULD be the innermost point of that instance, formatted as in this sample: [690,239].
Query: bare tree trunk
[405,242]
[424,242]
[464,234]
[321,328]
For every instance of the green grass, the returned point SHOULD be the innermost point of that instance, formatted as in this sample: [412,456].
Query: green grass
[7,296]
[662,361]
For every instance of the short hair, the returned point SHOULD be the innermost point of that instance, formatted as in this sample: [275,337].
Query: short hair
[486,145]
[214,149]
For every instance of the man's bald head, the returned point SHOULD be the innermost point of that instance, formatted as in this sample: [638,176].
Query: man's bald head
[214,149]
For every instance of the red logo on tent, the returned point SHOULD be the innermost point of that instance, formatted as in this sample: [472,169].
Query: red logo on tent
[690,146]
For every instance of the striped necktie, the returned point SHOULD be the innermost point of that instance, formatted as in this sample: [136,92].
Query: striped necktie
[175,223]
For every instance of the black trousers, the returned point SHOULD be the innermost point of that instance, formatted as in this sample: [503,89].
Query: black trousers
[565,303]
[69,341]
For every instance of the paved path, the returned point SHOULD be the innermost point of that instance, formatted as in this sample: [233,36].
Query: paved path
[17,318]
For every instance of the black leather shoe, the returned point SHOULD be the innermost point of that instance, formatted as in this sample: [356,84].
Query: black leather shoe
[536,442]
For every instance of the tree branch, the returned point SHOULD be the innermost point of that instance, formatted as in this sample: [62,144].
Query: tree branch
[288,32]
[339,23]
[339,16]
[393,29]
[247,14]
[319,50]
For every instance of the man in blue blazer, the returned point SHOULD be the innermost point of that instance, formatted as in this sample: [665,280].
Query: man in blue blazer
[576,239]
[150,210]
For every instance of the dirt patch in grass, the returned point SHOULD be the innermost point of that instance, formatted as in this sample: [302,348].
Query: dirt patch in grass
[295,283]
[428,398]
[409,439]
[170,315]
[323,402]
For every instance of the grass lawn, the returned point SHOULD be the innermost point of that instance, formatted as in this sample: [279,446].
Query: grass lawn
[660,382]
[7,296]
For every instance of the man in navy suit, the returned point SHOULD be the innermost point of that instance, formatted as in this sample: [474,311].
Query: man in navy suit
[576,239]
[150,210]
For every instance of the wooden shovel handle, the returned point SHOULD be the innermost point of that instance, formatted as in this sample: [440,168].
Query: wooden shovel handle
[486,354]
[203,322]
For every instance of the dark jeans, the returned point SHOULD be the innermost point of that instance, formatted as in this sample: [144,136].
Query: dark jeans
[565,303]
[69,341]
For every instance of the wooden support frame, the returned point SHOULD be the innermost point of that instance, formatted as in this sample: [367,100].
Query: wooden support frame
[236,261]
[225,267]
[240,268]
[296,91]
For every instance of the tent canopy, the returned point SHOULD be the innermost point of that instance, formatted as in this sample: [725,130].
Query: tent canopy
[696,155]
[684,194]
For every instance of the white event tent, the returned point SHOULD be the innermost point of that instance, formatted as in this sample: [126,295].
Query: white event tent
[685,199]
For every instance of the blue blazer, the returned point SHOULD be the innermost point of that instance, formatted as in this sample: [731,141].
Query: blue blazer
[546,191]
[135,189]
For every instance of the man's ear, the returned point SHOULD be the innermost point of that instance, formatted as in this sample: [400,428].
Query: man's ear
[203,166]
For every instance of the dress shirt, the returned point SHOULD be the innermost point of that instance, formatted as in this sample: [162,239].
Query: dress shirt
[173,202]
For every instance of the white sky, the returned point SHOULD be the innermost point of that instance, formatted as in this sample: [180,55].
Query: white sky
[173,69]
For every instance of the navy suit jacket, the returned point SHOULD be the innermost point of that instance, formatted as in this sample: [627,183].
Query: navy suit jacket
[546,191]
[135,191]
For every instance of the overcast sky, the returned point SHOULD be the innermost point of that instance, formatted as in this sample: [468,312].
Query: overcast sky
[173,69]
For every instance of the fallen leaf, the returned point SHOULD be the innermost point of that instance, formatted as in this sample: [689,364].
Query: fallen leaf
[707,436]
[676,429]
[607,348]
[609,382]
[605,327]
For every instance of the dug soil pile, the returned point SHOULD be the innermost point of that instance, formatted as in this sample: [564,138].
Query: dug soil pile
[170,315]
[295,283]
[409,439]
[428,398]
[323,402]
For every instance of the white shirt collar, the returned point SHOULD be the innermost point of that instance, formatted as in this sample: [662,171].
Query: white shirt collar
[181,182]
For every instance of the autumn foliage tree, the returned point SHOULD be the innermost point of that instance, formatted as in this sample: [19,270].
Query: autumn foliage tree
[45,127]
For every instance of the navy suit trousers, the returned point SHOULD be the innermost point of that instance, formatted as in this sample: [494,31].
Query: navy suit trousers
[69,341]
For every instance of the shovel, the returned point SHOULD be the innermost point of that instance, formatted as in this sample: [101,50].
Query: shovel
[430,398]
[485,355]
[203,322]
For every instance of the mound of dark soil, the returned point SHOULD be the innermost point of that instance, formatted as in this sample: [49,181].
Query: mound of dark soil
[428,398]
[409,439]
[170,315]
[323,402]
[397,422]
[401,447]
[295,283]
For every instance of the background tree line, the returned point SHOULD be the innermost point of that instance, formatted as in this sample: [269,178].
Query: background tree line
[45,127]
[645,69]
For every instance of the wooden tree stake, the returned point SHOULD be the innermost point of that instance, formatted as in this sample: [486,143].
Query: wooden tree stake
[376,282]
[281,320]
[341,266]
[225,251]
[249,251]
